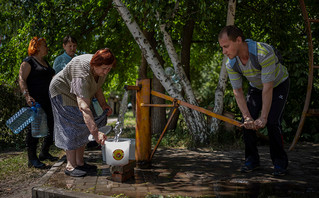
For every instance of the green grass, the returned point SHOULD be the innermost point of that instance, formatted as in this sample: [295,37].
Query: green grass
[12,164]
[15,164]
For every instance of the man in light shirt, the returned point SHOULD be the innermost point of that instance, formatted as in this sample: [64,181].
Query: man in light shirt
[69,45]
[267,94]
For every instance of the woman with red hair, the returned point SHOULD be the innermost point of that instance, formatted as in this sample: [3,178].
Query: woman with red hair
[71,92]
[35,76]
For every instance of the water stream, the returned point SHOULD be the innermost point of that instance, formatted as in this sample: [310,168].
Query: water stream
[118,129]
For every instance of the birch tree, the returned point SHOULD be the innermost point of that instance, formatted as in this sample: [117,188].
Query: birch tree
[194,120]
[220,89]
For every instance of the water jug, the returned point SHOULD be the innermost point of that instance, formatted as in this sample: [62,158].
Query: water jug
[97,107]
[20,120]
[39,127]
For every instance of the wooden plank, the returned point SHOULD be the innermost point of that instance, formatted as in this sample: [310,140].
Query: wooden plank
[313,112]
[200,109]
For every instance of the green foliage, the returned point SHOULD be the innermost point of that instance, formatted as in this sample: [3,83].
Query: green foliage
[96,24]
[267,21]
[10,103]
[180,137]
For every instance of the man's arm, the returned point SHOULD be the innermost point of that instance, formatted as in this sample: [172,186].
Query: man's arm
[241,102]
[267,100]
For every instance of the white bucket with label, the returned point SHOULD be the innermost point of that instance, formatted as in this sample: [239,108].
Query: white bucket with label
[132,148]
[117,153]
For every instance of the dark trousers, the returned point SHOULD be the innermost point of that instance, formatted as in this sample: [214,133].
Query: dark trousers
[32,142]
[254,103]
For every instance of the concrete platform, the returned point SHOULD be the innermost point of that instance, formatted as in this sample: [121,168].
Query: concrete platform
[182,172]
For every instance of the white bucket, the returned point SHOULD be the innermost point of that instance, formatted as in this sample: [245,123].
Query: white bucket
[103,153]
[117,153]
[132,148]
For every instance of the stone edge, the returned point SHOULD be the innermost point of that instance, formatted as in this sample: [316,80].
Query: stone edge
[39,191]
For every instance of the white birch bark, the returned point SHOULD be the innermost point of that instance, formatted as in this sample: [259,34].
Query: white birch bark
[146,49]
[219,93]
[191,119]
[186,85]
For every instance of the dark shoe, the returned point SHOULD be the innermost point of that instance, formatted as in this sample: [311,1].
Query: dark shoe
[87,167]
[249,167]
[47,156]
[36,164]
[75,173]
[278,171]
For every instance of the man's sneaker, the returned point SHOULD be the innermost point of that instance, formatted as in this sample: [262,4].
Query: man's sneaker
[278,171]
[249,167]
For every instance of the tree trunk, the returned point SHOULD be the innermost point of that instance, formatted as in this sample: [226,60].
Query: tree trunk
[142,72]
[220,89]
[158,114]
[185,60]
[194,120]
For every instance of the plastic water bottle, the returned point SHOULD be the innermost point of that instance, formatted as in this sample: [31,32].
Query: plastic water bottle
[20,120]
[175,78]
[39,127]
[98,109]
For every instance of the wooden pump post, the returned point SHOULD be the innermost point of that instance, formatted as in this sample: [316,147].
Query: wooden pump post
[143,124]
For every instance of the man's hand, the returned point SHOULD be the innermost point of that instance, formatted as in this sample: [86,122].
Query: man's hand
[249,123]
[260,123]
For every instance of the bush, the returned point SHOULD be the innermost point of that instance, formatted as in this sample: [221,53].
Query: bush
[10,102]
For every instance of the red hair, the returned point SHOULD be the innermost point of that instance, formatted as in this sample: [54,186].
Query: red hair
[34,44]
[103,57]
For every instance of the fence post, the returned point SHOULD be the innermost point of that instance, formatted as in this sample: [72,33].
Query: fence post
[143,124]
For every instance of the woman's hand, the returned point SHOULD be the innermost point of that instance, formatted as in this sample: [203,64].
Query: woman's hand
[100,137]
[109,110]
[30,101]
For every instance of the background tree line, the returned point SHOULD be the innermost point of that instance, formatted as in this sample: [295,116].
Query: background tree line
[193,27]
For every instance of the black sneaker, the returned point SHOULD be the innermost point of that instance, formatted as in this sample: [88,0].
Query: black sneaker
[48,156]
[249,167]
[87,167]
[278,171]
[75,173]
[36,164]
